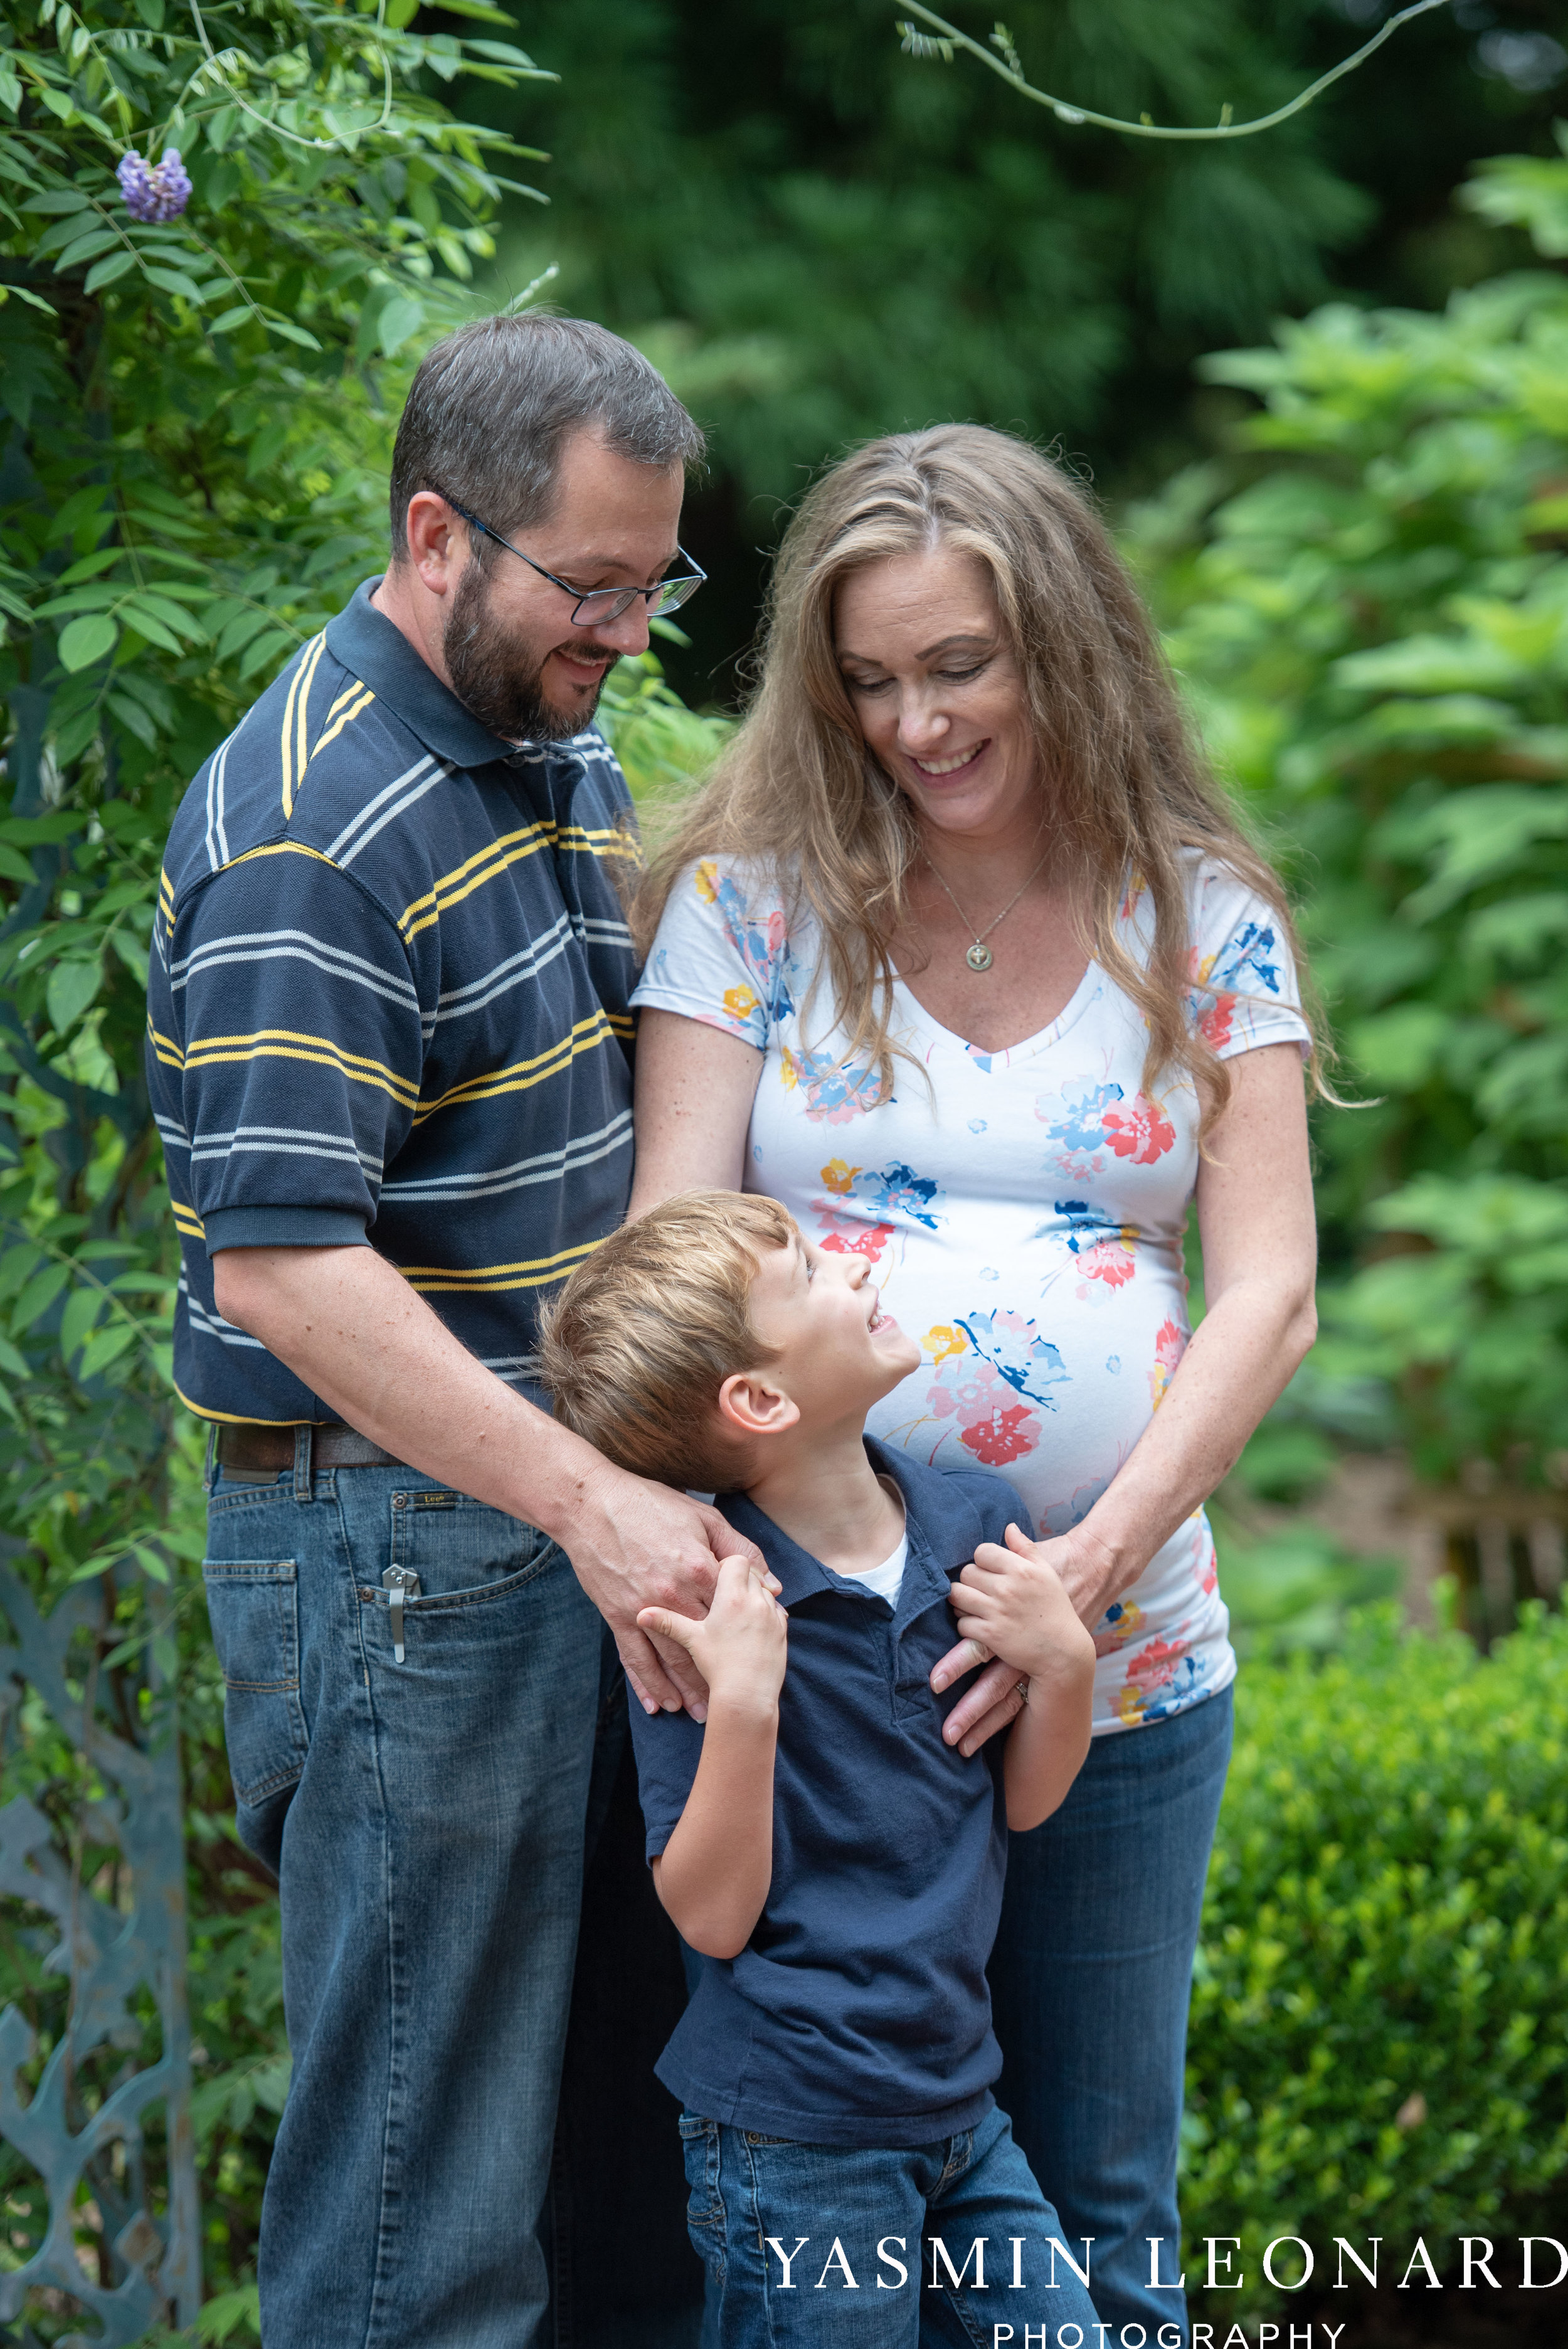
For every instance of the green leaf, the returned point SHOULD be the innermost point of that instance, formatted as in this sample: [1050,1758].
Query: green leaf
[145,624]
[26,293]
[150,1561]
[151,13]
[266,649]
[293,333]
[57,200]
[82,1310]
[168,607]
[73,986]
[399,318]
[105,1347]
[91,566]
[16,1267]
[80,599]
[88,639]
[131,952]
[104,273]
[137,721]
[242,630]
[172,281]
[95,241]
[14,1363]
[37,1297]
[239,316]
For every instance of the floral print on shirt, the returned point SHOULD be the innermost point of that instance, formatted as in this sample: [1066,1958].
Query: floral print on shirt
[1022,1215]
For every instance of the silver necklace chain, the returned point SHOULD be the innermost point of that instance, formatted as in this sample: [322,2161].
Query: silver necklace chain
[979,955]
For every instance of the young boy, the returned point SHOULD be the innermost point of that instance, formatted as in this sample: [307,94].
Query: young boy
[837,1864]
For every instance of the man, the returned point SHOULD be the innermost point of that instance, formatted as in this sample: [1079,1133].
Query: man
[390,1054]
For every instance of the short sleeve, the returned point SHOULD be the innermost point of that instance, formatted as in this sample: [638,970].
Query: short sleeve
[301,1049]
[721,951]
[1245,988]
[668,1748]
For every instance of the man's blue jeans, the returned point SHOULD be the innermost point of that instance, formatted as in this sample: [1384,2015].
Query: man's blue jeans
[865,2215]
[1090,1979]
[426,1820]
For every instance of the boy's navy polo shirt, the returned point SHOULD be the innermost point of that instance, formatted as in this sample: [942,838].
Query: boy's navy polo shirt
[388,1003]
[858,2015]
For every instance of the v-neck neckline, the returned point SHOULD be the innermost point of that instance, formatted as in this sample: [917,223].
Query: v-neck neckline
[1072,1010]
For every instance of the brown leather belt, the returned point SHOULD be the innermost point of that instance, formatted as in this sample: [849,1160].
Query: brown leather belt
[253,1449]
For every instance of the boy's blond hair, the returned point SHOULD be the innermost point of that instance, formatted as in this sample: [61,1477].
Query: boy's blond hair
[648,1328]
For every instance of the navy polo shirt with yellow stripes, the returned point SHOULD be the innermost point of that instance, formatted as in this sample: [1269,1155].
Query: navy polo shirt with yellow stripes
[388,1006]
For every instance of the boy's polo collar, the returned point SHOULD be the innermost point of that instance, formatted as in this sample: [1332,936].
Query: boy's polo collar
[366,641]
[953,1530]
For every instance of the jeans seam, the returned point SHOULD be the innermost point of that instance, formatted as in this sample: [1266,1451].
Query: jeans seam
[388,2215]
[754,2211]
[958,2304]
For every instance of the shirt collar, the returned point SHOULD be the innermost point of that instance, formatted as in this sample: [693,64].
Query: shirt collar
[943,1527]
[366,641]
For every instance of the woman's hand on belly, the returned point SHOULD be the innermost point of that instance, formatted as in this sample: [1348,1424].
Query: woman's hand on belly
[694,1090]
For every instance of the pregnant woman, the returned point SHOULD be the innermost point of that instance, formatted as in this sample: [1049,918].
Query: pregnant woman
[962,956]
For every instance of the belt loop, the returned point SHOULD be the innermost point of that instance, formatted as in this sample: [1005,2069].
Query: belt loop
[304,1446]
[209,1473]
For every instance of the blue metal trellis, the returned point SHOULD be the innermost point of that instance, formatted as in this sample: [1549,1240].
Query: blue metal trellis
[112,1955]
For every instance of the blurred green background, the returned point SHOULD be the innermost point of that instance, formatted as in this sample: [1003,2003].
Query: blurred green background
[1321,379]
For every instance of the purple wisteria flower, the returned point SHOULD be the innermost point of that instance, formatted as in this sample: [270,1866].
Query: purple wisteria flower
[154,193]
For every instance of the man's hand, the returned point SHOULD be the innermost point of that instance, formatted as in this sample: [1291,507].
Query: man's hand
[740,1646]
[638,1547]
[347,1323]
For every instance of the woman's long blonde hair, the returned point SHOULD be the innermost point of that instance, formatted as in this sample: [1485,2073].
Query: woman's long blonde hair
[797,789]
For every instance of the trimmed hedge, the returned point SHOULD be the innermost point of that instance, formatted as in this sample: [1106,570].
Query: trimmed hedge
[1380,2035]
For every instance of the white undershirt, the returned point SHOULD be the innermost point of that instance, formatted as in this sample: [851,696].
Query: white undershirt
[886,1579]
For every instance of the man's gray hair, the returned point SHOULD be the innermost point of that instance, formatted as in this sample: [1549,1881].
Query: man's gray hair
[492,407]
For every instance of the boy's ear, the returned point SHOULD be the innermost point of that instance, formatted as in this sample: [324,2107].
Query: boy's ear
[752,1404]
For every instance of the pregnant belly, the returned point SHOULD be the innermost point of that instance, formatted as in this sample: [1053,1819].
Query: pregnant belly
[1053,1400]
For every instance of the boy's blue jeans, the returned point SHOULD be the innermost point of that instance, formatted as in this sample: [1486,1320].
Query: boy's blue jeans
[804,2244]
[427,1821]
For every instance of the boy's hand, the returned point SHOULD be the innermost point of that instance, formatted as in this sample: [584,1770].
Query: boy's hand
[740,1646]
[1015,1604]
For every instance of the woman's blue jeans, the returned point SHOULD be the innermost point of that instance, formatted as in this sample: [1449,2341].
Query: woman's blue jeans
[1090,1979]
[427,1821]
[835,2247]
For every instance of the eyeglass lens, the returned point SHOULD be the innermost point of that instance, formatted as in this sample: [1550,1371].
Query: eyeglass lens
[609,603]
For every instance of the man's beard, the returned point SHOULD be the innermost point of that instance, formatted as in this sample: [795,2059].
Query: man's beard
[490,676]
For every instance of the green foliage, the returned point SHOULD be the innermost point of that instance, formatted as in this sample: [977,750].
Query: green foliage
[193,475]
[1378,2043]
[1370,608]
[819,238]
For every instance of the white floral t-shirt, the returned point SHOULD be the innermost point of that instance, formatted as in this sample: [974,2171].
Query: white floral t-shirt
[1023,1214]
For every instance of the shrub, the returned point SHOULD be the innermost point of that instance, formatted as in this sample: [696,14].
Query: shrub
[1380,2036]
[1368,599]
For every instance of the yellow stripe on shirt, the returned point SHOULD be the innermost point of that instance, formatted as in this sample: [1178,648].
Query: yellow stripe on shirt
[289,1044]
[536,1273]
[356,709]
[585,1037]
[296,710]
[510,849]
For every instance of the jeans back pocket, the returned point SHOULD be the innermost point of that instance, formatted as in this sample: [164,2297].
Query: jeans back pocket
[254,1612]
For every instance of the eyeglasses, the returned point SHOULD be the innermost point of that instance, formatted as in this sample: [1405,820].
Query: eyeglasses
[596,605]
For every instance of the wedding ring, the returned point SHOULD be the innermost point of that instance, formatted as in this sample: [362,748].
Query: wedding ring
[1021,1688]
